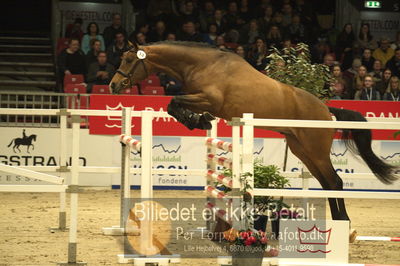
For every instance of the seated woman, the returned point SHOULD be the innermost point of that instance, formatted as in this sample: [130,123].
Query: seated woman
[368,92]
[338,84]
[393,90]
[92,33]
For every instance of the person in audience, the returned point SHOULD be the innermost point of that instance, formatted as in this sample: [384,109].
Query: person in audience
[220,41]
[159,33]
[72,60]
[110,31]
[329,61]
[367,59]
[91,56]
[319,51]
[211,34]
[74,30]
[344,46]
[393,90]
[338,84]
[287,12]
[394,63]
[258,54]
[245,12]
[296,30]
[100,72]
[396,44]
[265,21]
[171,37]
[382,85]
[92,33]
[367,92]
[358,81]
[115,52]
[249,33]
[171,85]
[349,74]
[189,33]
[232,17]
[220,21]
[206,16]
[189,12]
[139,38]
[274,37]
[241,52]
[376,72]
[384,52]
[365,39]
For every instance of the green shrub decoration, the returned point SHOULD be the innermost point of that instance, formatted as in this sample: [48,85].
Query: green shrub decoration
[293,66]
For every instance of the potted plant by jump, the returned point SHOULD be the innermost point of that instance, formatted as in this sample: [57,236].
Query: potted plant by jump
[267,176]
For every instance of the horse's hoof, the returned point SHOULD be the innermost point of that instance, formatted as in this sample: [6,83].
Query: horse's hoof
[208,117]
[353,235]
[206,126]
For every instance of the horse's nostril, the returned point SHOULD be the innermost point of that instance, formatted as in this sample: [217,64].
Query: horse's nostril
[112,85]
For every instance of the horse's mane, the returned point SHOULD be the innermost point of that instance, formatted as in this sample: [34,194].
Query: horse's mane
[202,45]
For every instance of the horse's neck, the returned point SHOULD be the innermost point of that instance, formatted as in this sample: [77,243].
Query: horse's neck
[173,60]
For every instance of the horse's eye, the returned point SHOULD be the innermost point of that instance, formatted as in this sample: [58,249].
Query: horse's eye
[129,60]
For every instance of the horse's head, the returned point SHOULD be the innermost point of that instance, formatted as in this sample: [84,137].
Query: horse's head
[132,69]
[33,137]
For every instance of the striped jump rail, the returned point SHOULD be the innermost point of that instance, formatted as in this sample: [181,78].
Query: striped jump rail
[131,142]
[378,238]
[216,193]
[218,212]
[220,178]
[220,144]
[223,161]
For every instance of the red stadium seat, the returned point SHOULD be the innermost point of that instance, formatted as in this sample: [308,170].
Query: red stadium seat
[131,91]
[76,101]
[73,79]
[101,89]
[152,80]
[153,90]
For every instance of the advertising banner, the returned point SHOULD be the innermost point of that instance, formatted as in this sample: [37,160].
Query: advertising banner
[40,147]
[101,13]
[170,127]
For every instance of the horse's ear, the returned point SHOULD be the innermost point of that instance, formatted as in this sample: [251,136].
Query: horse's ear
[133,45]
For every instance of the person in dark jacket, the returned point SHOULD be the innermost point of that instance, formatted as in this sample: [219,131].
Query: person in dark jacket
[115,52]
[100,72]
[110,31]
[72,60]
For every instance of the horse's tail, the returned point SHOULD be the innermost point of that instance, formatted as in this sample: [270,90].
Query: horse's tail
[11,143]
[362,138]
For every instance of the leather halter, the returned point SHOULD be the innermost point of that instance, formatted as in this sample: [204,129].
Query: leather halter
[132,70]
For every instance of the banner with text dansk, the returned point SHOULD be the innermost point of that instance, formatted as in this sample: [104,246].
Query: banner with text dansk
[170,127]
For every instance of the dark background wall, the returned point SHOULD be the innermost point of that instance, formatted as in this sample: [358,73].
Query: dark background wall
[23,15]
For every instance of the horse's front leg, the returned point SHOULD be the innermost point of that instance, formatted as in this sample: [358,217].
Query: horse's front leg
[191,111]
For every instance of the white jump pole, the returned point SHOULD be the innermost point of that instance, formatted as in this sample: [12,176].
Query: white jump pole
[146,183]
[211,165]
[74,190]
[236,172]
[248,156]
[125,175]
[62,216]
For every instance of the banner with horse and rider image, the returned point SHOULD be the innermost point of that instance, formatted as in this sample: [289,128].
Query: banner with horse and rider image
[175,147]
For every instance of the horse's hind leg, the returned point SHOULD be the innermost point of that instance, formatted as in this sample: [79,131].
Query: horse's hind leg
[318,163]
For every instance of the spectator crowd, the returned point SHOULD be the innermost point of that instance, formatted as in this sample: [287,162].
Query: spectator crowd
[363,67]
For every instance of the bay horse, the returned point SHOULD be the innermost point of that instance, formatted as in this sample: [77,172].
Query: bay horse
[220,83]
